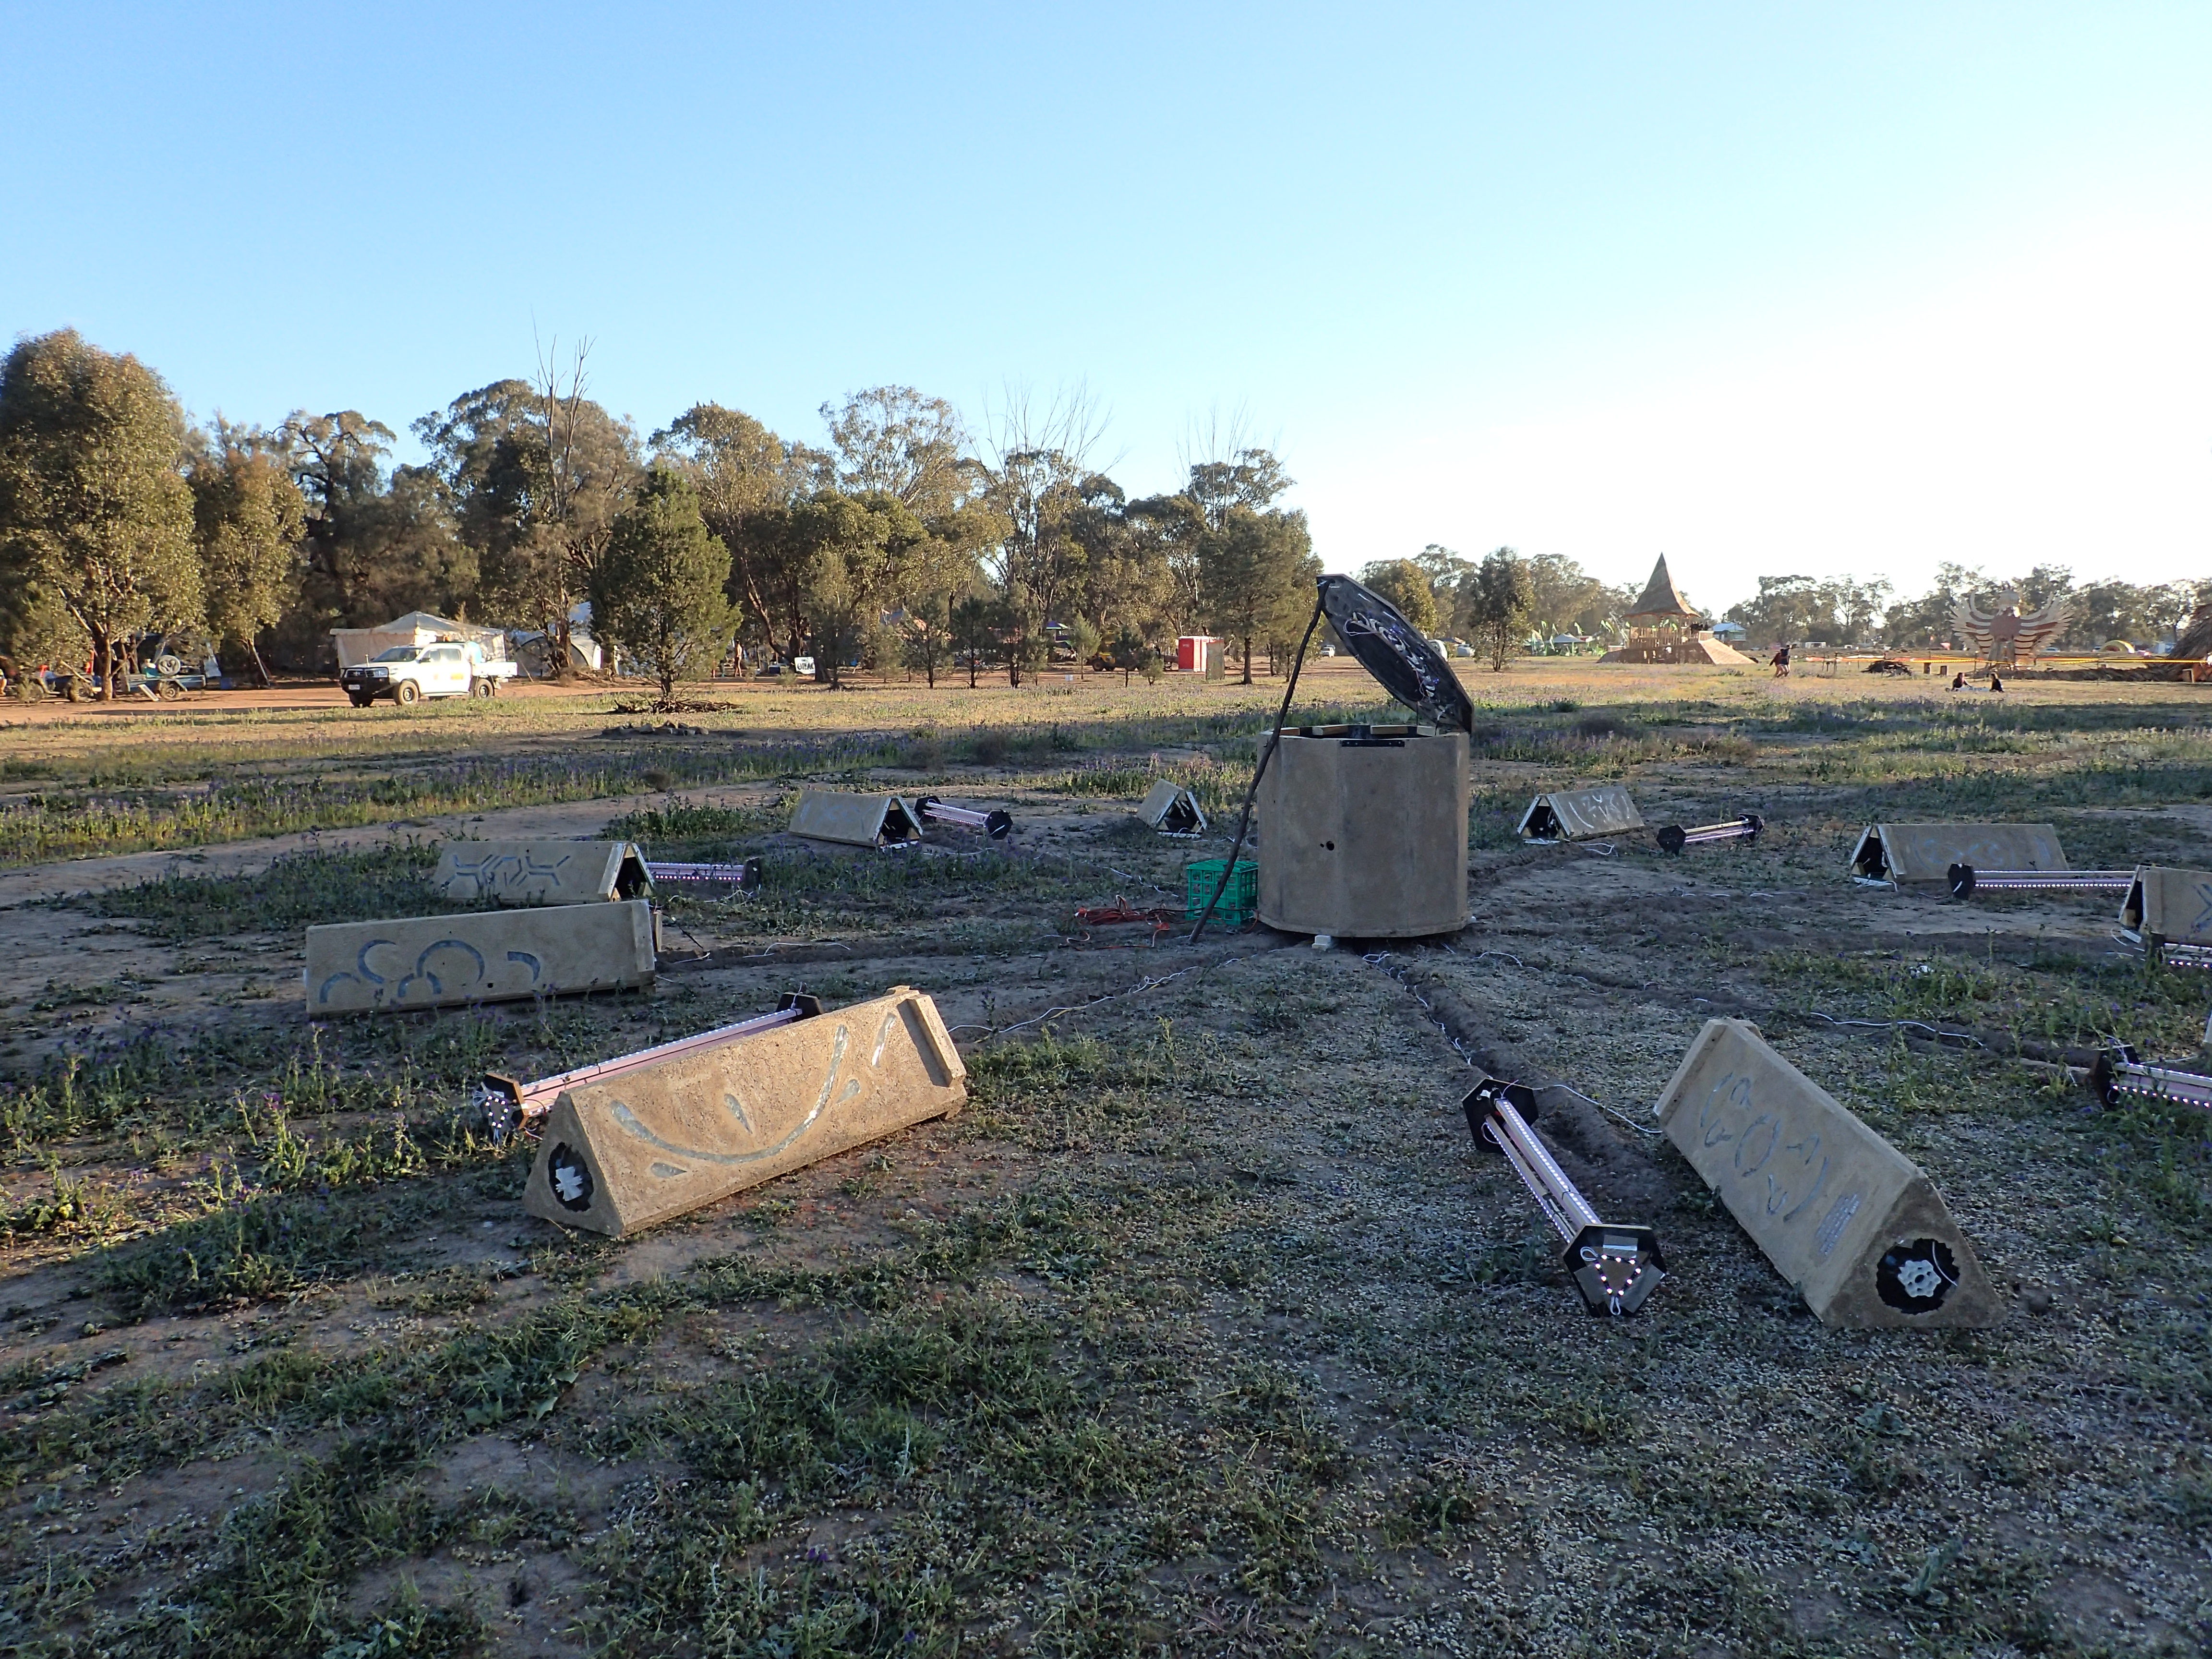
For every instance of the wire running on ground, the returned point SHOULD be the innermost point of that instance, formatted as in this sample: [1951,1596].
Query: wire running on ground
[1150,982]
[1381,958]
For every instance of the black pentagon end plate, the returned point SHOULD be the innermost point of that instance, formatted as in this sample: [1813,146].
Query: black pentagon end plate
[1487,1094]
[1392,649]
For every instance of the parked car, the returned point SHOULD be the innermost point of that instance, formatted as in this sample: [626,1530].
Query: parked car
[406,674]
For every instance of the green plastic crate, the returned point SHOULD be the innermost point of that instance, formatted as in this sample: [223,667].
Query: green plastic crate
[1238,900]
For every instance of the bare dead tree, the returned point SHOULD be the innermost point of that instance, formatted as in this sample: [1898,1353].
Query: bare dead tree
[1039,456]
[581,491]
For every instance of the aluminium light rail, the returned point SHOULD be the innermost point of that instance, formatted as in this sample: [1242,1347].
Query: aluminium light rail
[745,875]
[1673,837]
[997,824]
[2121,1075]
[1614,1268]
[1966,881]
[508,1103]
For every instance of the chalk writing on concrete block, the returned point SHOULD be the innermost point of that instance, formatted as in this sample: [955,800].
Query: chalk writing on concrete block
[1848,1219]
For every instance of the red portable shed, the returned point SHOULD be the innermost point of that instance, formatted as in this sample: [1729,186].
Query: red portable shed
[1195,651]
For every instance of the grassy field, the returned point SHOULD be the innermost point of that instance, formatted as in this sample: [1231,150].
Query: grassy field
[1206,1330]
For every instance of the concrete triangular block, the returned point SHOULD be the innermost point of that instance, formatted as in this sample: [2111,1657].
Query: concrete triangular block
[1172,809]
[1580,814]
[492,956]
[1926,851]
[522,872]
[854,820]
[1849,1221]
[2169,907]
[623,1152]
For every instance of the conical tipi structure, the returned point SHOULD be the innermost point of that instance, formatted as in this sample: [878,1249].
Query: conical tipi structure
[1666,628]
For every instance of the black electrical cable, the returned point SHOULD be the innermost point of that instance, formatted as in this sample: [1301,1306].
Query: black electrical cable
[1274,737]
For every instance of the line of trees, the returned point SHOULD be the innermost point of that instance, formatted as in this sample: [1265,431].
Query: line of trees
[902,540]
[1500,600]
[1844,610]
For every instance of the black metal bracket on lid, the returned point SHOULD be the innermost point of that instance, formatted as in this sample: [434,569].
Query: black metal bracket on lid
[1614,1268]
[1673,837]
[1392,649]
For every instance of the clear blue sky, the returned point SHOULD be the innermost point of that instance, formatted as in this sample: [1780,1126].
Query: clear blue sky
[1771,288]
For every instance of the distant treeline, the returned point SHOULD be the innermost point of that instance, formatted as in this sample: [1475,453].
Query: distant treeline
[1844,611]
[903,539]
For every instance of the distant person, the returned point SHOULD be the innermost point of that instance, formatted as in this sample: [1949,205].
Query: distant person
[1782,664]
[1995,684]
[1958,681]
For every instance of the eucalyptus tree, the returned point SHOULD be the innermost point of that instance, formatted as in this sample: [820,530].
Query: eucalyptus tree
[1034,482]
[95,517]
[894,441]
[748,478]
[1407,585]
[1257,568]
[376,543]
[536,473]
[249,517]
[1496,597]
[660,591]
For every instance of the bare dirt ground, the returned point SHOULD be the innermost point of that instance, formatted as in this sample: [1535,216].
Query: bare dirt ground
[1206,1328]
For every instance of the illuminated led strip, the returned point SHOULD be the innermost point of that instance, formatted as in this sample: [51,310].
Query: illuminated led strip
[1614,1268]
[505,1098]
[745,873]
[1673,838]
[1561,1201]
[1966,881]
[2120,1075]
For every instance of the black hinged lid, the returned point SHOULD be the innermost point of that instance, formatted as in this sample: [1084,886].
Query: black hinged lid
[1391,649]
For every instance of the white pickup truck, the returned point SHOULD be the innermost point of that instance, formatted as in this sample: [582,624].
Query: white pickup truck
[406,674]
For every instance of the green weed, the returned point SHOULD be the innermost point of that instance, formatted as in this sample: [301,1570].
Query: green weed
[297,891]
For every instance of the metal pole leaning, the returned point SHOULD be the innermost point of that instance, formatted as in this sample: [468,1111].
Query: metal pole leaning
[1966,881]
[1274,737]
[1614,1268]
[1673,837]
[507,1102]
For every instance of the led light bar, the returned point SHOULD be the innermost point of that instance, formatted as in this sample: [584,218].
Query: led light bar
[997,824]
[2120,1075]
[745,875]
[2186,955]
[507,1102]
[1673,838]
[1966,881]
[1614,1268]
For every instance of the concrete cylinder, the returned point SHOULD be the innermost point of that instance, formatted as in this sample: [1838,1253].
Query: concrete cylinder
[1363,832]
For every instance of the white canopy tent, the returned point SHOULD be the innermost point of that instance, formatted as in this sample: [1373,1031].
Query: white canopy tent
[357,646]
